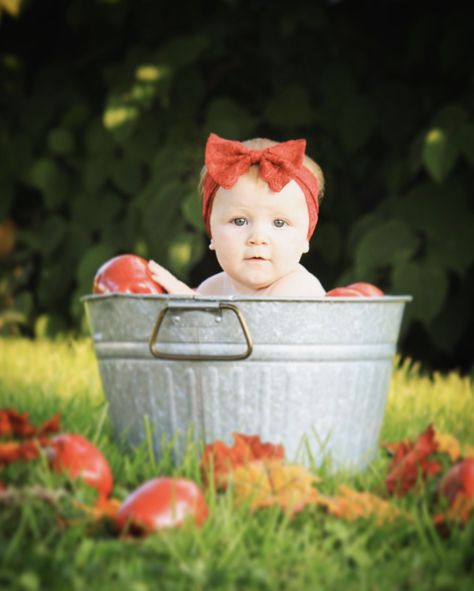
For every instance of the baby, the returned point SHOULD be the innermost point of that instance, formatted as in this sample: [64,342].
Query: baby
[260,207]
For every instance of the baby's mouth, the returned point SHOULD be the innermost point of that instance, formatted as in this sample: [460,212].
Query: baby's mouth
[256,259]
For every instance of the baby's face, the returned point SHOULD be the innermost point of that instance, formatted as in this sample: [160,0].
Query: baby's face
[259,236]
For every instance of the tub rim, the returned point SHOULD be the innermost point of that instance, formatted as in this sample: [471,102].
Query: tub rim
[164,297]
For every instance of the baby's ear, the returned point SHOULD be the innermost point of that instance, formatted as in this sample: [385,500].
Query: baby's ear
[306,248]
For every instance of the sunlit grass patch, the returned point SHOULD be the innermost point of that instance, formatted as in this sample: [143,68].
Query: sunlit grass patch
[235,549]
[417,399]
[63,368]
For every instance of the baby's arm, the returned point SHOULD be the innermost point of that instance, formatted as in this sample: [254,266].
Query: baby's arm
[168,281]
[214,285]
[211,286]
[300,283]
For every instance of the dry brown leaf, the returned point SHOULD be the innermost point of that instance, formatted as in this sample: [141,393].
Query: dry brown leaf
[15,424]
[219,459]
[12,451]
[459,511]
[448,444]
[351,504]
[468,451]
[103,508]
[268,483]
[412,461]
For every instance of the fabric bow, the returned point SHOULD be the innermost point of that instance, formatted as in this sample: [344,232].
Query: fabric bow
[226,160]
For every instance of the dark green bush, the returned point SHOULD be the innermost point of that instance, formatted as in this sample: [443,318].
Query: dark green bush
[105,108]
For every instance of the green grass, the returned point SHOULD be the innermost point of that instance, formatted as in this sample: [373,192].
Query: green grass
[234,549]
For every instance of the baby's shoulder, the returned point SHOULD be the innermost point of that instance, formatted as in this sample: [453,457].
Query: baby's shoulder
[298,283]
[213,285]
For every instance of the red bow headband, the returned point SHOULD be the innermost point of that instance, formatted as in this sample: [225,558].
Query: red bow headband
[226,160]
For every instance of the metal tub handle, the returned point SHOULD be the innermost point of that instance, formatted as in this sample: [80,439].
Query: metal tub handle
[152,343]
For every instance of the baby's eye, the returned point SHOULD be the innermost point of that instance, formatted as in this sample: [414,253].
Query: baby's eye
[279,223]
[239,221]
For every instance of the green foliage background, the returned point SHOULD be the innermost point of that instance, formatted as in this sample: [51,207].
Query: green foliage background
[105,107]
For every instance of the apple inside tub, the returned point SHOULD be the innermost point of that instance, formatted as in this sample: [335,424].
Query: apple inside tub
[126,273]
[357,289]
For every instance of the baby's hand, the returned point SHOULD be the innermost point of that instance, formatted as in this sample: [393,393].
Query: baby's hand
[167,280]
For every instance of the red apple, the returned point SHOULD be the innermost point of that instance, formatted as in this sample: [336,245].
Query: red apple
[125,273]
[366,289]
[76,455]
[162,503]
[343,292]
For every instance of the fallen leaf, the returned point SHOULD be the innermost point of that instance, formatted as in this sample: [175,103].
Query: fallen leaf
[268,483]
[462,509]
[459,511]
[448,444]
[411,461]
[15,424]
[12,451]
[50,426]
[219,459]
[351,504]
[103,508]
[468,452]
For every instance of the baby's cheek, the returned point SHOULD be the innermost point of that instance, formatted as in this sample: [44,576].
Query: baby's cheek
[291,256]
[225,255]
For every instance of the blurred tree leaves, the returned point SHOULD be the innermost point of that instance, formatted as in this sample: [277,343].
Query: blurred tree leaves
[439,153]
[290,109]
[357,121]
[106,109]
[61,141]
[53,183]
[386,244]
[426,282]
[228,119]
[191,209]
[50,235]
[12,7]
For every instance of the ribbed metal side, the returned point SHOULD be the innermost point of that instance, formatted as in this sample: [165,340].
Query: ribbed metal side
[312,409]
[316,381]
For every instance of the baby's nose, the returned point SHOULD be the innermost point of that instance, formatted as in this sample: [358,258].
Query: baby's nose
[257,236]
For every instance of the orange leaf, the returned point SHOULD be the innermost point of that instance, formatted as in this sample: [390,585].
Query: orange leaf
[398,449]
[468,452]
[448,444]
[351,504]
[5,425]
[268,483]
[411,461]
[459,511]
[219,459]
[14,424]
[103,508]
[50,426]
[13,451]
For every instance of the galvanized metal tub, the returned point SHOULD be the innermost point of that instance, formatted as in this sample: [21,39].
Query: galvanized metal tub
[312,374]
